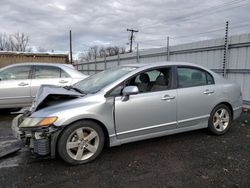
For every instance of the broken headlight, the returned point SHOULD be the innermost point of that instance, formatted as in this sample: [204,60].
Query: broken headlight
[36,122]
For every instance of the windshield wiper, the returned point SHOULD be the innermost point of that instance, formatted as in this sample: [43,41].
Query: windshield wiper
[74,88]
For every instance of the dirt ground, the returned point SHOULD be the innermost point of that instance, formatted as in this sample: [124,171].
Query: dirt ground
[193,159]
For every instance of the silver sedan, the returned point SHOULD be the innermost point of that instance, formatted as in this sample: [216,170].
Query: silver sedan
[126,104]
[19,83]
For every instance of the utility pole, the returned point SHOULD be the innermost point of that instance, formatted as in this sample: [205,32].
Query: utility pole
[131,37]
[70,47]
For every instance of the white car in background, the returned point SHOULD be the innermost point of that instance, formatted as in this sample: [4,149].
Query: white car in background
[19,83]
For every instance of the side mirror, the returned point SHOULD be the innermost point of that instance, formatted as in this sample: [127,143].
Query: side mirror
[129,90]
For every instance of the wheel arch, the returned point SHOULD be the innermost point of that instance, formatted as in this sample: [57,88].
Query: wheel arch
[54,140]
[228,105]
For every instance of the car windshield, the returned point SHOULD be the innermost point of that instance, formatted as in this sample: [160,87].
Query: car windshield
[98,81]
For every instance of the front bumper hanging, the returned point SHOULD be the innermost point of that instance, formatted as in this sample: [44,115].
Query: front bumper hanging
[38,140]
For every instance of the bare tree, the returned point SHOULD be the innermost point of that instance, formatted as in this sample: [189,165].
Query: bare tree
[94,51]
[89,56]
[116,50]
[101,51]
[2,42]
[86,56]
[19,42]
[16,42]
[109,51]
[112,50]
[122,50]
[5,42]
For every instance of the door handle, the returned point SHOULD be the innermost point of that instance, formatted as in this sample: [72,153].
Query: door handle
[63,81]
[167,97]
[23,84]
[208,92]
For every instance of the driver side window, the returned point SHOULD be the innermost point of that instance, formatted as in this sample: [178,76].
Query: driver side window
[152,80]
[148,81]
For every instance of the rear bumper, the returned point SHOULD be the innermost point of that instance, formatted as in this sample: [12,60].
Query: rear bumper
[237,112]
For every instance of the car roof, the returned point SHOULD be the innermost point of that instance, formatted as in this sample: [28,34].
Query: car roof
[69,68]
[167,63]
[42,63]
[160,63]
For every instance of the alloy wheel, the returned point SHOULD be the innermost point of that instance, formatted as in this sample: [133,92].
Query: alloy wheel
[82,143]
[221,119]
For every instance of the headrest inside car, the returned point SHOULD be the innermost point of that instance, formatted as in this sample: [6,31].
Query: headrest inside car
[144,78]
[196,76]
[161,80]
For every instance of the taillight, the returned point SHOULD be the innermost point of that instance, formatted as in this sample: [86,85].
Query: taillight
[240,93]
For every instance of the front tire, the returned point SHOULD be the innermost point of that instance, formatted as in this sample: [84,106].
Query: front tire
[220,120]
[81,142]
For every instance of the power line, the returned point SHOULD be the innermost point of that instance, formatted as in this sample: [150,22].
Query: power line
[210,9]
[215,25]
[210,31]
[206,12]
[240,25]
[243,24]
[215,11]
[163,39]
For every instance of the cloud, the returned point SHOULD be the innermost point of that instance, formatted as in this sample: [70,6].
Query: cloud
[98,22]
[57,5]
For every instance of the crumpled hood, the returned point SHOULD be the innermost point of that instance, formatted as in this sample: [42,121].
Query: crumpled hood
[52,94]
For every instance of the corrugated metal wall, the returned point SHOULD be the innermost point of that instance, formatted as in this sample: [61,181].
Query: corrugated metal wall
[208,53]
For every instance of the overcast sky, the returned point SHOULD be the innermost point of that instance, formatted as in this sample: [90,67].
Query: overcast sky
[104,22]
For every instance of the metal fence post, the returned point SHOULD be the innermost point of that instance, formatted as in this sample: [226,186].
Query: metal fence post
[105,61]
[168,53]
[88,68]
[118,58]
[137,52]
[225,56]
[95,66]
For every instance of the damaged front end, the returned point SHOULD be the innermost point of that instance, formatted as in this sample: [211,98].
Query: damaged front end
[36,138]
[39,133]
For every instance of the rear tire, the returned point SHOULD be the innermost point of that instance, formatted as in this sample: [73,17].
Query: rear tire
[220,120]
[81,142]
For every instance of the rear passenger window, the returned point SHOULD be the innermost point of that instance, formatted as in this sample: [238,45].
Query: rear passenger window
[64,74]
[49,72]
[15,73]
[191,77]
[210,79]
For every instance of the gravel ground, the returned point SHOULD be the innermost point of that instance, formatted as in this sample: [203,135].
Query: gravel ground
[193,159]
